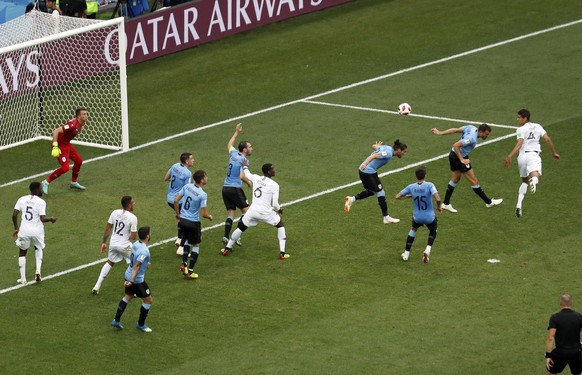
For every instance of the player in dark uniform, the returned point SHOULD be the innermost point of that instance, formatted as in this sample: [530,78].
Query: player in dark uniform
[564,329]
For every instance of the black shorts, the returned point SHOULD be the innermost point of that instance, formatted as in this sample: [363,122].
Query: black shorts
[172,206]
[141,290]
[191,231]
[456,164]
[432,226]
[371,181]
[561,360]
[234,198]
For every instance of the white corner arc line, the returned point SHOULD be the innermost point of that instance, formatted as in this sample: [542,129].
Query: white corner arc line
[347,87]
[299,200]
[409,115]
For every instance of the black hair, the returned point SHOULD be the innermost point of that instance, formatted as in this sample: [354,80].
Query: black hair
[266,168]
[420,173]
[198,176]
[125,201]
[185,156]
[484,128]
[34,186]
[399,145]
[524,113]
[143,232]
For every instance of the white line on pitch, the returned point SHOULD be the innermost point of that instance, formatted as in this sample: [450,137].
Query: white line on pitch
[347,87]
[409,115]
[299,200]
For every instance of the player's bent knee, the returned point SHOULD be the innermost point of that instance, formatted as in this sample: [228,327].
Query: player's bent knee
[280,224]
[241,226]
[65,167]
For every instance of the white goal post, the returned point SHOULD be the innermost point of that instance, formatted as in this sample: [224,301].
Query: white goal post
[49,66]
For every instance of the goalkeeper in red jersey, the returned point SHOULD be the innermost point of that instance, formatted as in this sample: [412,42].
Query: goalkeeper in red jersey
[63,150]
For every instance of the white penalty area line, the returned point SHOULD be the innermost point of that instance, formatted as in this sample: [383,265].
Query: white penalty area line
[299,200]
[347,87]
[409,115]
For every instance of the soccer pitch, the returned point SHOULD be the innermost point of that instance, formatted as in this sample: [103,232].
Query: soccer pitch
[344,302]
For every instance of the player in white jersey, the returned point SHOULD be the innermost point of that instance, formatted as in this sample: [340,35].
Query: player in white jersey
[265,208]
[124,225]
[33,209]
[529,161]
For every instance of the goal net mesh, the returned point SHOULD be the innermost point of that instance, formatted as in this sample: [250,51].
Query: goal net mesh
[51,65]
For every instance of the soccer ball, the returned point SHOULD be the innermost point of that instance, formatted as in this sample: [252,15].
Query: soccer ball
[404,109]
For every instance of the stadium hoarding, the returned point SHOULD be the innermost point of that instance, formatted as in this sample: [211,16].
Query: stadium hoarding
[188,25]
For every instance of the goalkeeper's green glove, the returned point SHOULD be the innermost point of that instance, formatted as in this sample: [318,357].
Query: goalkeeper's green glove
[56,151]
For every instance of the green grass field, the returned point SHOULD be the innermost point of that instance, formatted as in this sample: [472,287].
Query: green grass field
[344,303]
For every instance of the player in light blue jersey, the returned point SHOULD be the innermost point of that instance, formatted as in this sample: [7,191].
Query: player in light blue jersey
[461,165]
[178,175]
[232,193]
[421,192]
[369,176]
[135,284]
[193,207]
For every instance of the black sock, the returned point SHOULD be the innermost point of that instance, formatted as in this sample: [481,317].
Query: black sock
[409,241]
[383,205]
[481,194]
[364,194]
[448,194]
[120,310]
[193,259]
[227,227]
[143,314]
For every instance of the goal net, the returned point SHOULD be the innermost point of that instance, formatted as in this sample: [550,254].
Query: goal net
[49,66]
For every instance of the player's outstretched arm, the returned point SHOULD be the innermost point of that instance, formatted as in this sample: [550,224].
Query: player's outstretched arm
[401,197]
[237,131]
[45,219]
[435,131]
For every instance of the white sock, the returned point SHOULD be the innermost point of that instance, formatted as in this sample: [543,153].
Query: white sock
[104,272]
[234,237]
[428,248]
[534,180]
[38,254]
[521,195]
[282,238]
[22,266]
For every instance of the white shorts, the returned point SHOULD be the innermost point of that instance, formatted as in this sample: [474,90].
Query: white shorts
[529,162]
[23,242]
[117,254]
[251,218]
